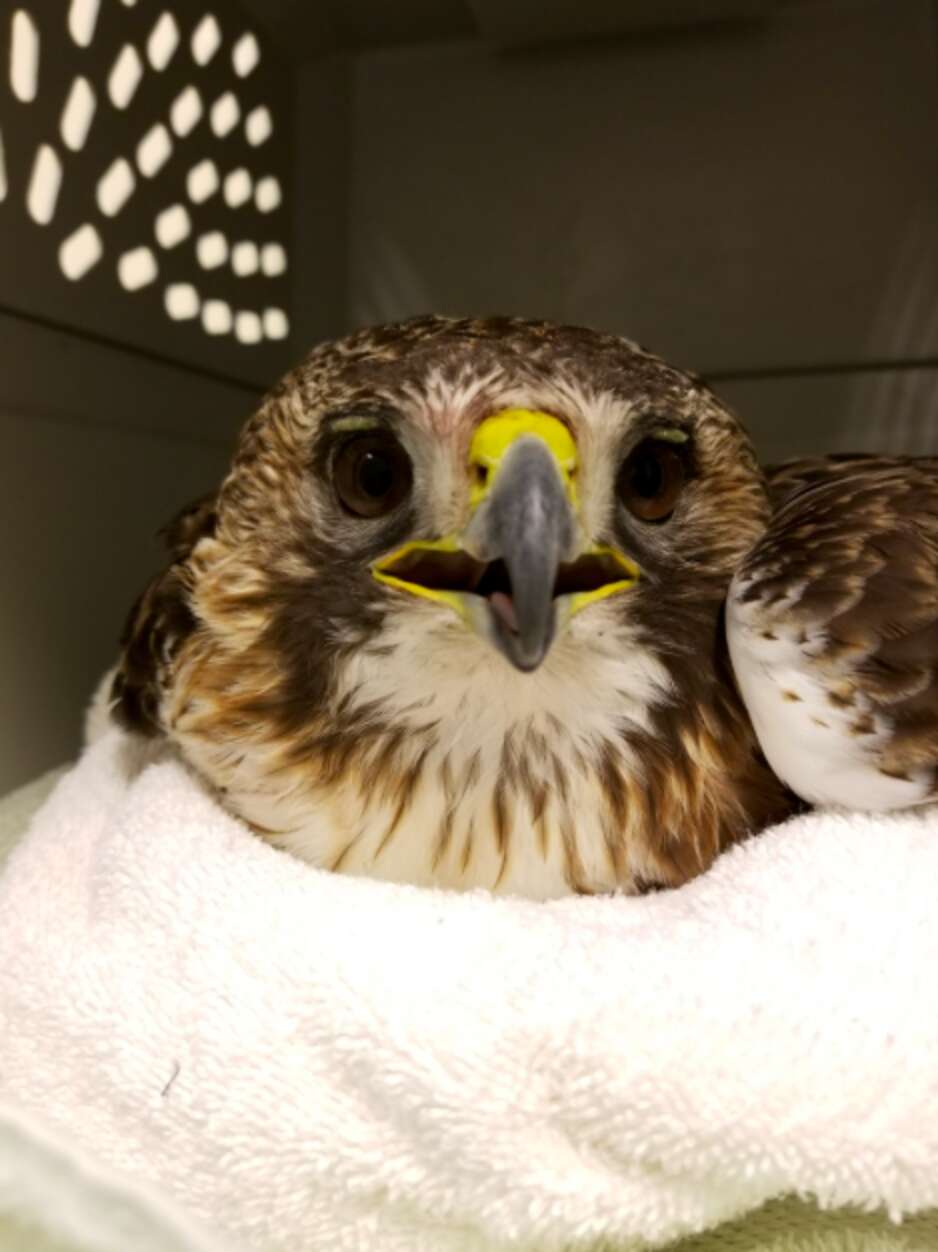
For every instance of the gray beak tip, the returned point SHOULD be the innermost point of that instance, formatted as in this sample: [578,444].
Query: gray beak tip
[527,523]
[524,657]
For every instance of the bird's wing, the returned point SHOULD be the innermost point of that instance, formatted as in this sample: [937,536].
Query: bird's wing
[158,623]
[788,477]
[832,626]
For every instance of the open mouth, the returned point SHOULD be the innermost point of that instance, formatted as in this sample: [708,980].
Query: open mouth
[591,576]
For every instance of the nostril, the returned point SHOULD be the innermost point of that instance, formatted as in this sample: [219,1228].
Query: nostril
[481,473]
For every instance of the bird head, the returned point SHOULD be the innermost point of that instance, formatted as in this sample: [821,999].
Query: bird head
[436,531]
[493,488]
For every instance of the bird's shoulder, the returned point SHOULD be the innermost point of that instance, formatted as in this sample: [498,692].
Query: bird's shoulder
[850,539]
[840,596]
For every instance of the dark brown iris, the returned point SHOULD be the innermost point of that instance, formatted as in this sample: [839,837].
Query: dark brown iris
[651,479]
[372,474]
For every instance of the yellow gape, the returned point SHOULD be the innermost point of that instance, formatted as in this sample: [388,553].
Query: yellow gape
[629,571]
[449,544]
[496,435]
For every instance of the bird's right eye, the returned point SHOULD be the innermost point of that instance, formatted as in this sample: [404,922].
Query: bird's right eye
[372,474]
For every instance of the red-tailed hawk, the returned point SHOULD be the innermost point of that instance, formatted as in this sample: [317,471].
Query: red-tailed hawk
[455,616]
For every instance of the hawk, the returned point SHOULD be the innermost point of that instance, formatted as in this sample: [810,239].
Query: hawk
[455,615]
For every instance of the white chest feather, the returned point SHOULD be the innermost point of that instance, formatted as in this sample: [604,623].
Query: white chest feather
[495,779]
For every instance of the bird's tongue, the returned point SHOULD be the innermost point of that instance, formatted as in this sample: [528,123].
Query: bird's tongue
[504,607]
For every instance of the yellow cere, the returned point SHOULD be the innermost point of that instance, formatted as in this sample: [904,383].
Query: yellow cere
[495,435]
[630,573]
[448,543]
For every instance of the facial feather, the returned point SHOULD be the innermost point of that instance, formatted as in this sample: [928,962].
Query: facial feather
[370,731]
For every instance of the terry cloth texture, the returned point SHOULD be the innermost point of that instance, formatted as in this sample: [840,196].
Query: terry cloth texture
[230,1050]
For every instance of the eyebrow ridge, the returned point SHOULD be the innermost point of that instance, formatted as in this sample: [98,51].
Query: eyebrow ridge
[355,421]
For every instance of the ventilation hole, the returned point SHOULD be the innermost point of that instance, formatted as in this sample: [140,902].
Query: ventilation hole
[206,39]
[185,111]
[163,41]
[248,327]
[153,150]
[124,78]
[216,317]
[244,258]
[212,250]
[238,188]
[276,325]
[202,181]
[267,195]
[80,251]
[273,259]
[82,17]
[3,171]
[77,114]
[137,268]
[172,226]
[24,56]
[181,301]
[44,184]
[115,187]
[225,114]
[245,55]
[259,126]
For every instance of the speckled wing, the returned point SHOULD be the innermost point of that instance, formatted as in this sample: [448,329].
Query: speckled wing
[832,626]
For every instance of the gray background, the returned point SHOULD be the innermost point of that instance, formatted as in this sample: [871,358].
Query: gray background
[753,197]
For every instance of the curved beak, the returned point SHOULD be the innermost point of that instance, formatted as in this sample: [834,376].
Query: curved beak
[526,523]
[515,569]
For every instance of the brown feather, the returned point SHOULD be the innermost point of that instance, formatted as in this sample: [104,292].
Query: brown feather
[241,650]
[860,534]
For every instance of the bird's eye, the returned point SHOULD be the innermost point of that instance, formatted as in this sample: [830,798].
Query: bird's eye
[651,479]
[372,474]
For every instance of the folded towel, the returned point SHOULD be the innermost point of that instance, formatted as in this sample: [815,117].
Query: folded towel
[300,1060]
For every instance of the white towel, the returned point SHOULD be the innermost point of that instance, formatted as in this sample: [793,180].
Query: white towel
[300,1060]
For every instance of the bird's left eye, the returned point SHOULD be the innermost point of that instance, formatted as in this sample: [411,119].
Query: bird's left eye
[651,479]
[372,474]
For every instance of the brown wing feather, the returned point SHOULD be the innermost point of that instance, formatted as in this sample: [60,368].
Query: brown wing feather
[861,535]
[788,477]
[160,620]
